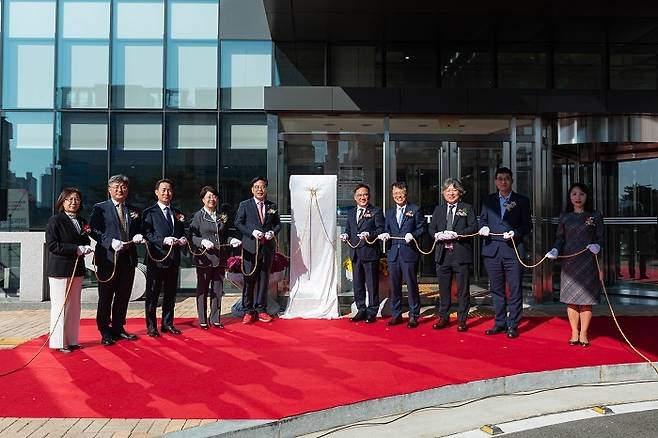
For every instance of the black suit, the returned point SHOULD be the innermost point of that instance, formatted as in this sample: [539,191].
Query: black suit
[456,260]
[62,241]
[247,220]
[114,295]
[161,275]
[365,258]
[499,256]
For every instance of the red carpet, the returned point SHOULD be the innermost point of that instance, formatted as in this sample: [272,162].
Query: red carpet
[288,367]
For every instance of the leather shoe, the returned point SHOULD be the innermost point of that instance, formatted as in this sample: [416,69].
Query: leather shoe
[461,327]
[512,333]
[264,317]
[125,335]
[413,322]
[64,350]
[395,320]
[154,333]
[218,325]
[75,347]
[441,323]
[170,329]
[360,316]
[203,326]
[370,319]
[248,318]
[107,340]
[495,330]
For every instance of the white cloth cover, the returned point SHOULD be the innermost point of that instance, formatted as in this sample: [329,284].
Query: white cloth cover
[313,270]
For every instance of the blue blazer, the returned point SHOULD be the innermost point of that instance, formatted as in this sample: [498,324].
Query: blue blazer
[105,226]
[413,222]
[247,220]
[155,228]
[372,221]
[516,218]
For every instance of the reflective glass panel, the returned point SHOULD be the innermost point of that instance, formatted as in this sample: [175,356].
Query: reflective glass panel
[633,67]
[196,20]
[192,75]
[83,156]
[27,139]
[139,19]
[246,67]
[31,19]
[136,141]
[411,66]
[356,66]
[467,66]
[85,19]
[300,64]
[521,67]
[577,67]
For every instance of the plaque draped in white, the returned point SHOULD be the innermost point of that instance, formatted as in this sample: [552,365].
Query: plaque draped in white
[313,270]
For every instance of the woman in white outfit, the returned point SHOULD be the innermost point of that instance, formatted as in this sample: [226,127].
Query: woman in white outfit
[67,240]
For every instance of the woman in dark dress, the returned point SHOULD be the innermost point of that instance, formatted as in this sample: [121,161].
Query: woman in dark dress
[208,232]
[67,241]
[580,285]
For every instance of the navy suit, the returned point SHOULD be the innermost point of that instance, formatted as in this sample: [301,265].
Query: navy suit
[403,257]
[455,260]
[247,220]
[365,258]
[161,275]
[499,256]
[114,295]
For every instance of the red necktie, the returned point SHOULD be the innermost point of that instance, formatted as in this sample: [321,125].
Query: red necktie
[261,213]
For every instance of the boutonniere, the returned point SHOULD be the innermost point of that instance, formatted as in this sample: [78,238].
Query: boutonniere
[223,217]
[367,214]
[180,217]
[86,229]
[271,211]
[133,214]
[589,221]
[509,205]
[462,212]
[409,214]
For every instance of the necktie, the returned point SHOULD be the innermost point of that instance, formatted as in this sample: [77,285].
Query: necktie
[261,213]
[122,221]
[167,212]
[400,211]
[360,215]
[451,217]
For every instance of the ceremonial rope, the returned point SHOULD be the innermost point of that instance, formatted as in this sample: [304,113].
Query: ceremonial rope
[50,333]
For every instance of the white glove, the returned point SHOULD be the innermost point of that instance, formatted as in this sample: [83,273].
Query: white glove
[552,254]
[269,235]
[363,235]
[234,242]
[257,234]
[594,248]
[439,236]
[508,235]
[344,237]
[408,237]
[80,251]
[117,245]
[384,236]
[138,238]
[450,235]
[207,244]
[88,249]
[182,241]
[169,241]
[484,231]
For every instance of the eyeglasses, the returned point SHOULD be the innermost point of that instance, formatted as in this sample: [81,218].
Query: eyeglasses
[260,187]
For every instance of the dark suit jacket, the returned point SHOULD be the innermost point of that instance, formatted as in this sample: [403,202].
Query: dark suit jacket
[155,228]
[515,219]
[247,220]
[203,227]
[105,226]
[62,241]
[413,222]
[465,222]
[372,221]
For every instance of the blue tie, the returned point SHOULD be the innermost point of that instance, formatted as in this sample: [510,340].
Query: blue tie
[400,210]
[167,212]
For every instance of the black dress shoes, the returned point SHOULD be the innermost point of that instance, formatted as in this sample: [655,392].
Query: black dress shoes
[512,333]
[370,319]
[461,327]
[218,325]
[360,316]
[495,330]
[107,340]
[74,347]
[64,350]
[395,320]
[170,329]
[125,335]
[441,323]
[154,333]
[203,326]
[413,322]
